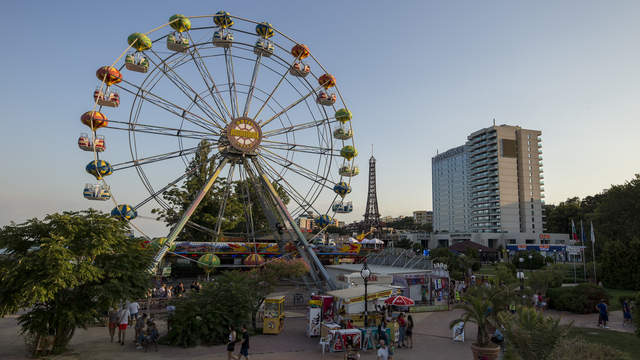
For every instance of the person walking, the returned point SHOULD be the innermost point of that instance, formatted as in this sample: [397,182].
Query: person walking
[603,314]
[123,321]
[409,332]
[114,317]
[402,328]
[139,327]
[134,308]
[244,347]
[231,344]
[626,312]
[383,351]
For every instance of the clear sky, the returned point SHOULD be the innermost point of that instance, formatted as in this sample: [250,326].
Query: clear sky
[418,76]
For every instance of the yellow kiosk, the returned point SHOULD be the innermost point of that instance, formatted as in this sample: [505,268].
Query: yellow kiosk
[273,315]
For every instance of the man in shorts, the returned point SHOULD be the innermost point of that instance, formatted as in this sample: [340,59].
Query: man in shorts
[603,314]
[114,316]
[123,321]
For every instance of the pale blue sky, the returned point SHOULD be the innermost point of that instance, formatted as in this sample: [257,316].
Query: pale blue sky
[418,76]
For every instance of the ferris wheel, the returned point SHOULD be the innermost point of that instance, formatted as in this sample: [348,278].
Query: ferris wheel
[272,115]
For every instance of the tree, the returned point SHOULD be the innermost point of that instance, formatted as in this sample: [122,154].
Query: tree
[67,269]
[206,214]
[233,298]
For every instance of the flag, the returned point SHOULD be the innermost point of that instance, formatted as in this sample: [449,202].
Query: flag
[574,233]
[593,236]
[582,237]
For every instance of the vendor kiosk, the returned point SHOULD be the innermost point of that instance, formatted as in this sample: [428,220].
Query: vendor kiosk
[273,315]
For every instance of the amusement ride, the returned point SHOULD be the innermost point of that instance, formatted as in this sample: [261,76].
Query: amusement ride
[273,115]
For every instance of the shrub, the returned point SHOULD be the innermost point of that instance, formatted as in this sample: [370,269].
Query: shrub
[581,299]
[536,262]
[476,265]
[530,335]
[576,348]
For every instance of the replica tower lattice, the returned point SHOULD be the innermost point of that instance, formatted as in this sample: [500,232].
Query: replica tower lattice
[372,215]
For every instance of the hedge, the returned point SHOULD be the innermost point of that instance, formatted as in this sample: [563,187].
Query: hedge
[581,299]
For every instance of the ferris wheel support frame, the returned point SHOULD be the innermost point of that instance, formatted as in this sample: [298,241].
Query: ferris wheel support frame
[318,271]
[175,231]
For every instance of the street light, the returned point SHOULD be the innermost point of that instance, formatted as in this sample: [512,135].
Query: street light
[365,273]
[520,274]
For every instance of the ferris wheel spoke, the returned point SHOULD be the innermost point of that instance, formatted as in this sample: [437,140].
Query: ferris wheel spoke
[247,205]
[153,159]
[223,204]
[289,107]
[299,169]
[161,130]
[205,74]
[168,106]
[286,186]
[165,188]
[287,146]
[231,80]
[252,85]
[186,89]
[298,127]
[284,75]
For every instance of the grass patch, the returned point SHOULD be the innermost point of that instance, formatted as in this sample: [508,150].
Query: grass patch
[486,269]
[625,342]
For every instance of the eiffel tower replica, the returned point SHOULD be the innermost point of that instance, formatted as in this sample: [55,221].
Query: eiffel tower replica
[372,215]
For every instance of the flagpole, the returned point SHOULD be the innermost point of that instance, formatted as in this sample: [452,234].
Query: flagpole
[583,253]
[573,238]
[593,250]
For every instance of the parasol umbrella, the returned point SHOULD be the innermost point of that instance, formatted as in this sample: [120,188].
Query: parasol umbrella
[399,300]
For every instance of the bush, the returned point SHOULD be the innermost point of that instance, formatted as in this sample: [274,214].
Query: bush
[530,335]
[475,266]
[581,299]
[541,280]
[576,348]
[536,262]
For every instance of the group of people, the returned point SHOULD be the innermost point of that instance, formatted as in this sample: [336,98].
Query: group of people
[168,291]
[234,339]
[146,331]
[405,332]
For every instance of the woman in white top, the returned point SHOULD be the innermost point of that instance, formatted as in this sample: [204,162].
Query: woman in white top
[231,344]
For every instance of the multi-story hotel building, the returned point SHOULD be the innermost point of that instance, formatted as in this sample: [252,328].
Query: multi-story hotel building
[450,190]
[504,183]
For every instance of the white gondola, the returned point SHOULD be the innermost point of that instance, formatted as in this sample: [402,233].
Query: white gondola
[84,142]
[96,192]
[106,98]
[299,69]
[136,62]
[326,99]
[221,39]
[349,170]
[342,208]
[177,43]
[264,47]
[343,133]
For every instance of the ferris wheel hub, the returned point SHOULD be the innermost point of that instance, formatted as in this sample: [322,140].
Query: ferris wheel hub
[244,134]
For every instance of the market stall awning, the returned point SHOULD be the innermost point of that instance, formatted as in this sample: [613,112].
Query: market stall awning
[399,301]
[356,294]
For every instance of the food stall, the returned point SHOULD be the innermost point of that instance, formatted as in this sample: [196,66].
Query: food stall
[349,303]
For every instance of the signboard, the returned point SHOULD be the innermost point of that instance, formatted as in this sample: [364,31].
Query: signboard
[574,250]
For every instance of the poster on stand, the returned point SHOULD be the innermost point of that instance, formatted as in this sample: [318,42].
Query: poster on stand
[458,332]
[314,322]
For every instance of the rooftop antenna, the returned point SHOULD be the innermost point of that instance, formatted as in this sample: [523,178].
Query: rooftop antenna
[371,149]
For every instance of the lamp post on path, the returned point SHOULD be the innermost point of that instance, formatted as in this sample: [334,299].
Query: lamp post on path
[365,273]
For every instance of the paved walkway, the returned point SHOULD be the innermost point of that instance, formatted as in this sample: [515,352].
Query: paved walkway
[591,320]
[431,339]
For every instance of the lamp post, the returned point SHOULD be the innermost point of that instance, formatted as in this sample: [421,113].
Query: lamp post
[365,273]
[521,274]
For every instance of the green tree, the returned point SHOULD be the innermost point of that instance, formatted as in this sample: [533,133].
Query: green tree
[67,269]
[242,199]
[234,298]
